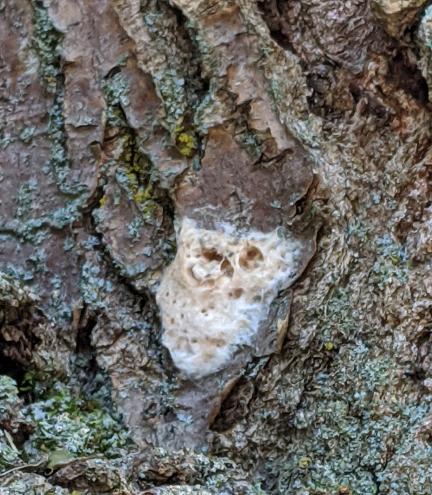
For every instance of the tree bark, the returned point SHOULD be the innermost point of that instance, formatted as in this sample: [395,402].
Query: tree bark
[215,246]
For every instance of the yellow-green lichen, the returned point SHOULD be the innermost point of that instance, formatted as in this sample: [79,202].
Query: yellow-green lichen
[186,143]
[134,175]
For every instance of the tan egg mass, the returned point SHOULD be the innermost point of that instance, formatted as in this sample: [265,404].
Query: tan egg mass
[217,291]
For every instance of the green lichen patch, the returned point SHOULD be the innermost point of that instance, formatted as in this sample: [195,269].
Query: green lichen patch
[9,457]
[9,400]
[186,141]
[63,420]
[203,473]
[14,293]
[115,90]
[366,433]
[135,175]
[28,483]
[392,265]
[25,197]
[10,414]
[46,40]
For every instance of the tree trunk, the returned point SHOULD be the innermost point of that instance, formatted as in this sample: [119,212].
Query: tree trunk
[215,247]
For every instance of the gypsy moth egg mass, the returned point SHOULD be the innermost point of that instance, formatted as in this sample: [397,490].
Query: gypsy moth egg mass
[217,290]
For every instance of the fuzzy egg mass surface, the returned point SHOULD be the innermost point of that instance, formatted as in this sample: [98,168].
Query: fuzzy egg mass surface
[217,291]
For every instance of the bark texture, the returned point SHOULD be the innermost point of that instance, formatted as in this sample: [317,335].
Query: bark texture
[215,247]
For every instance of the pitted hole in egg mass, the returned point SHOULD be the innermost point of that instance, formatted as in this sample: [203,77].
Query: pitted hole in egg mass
[217,291]
[250,258]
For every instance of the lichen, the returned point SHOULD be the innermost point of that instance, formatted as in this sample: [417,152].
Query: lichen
[186,142]
[115,90]
[10,414]
[24,483]
[70,421]
[46,39]
[135,175]
[346,405]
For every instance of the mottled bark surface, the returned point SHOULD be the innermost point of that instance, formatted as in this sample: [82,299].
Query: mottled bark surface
[215,247]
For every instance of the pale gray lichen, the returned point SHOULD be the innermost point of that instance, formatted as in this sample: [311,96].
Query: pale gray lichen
[24,483]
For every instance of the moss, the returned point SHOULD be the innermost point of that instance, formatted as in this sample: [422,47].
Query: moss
[72,422]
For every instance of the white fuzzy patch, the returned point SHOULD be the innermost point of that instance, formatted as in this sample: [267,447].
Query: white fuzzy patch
[217,291]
